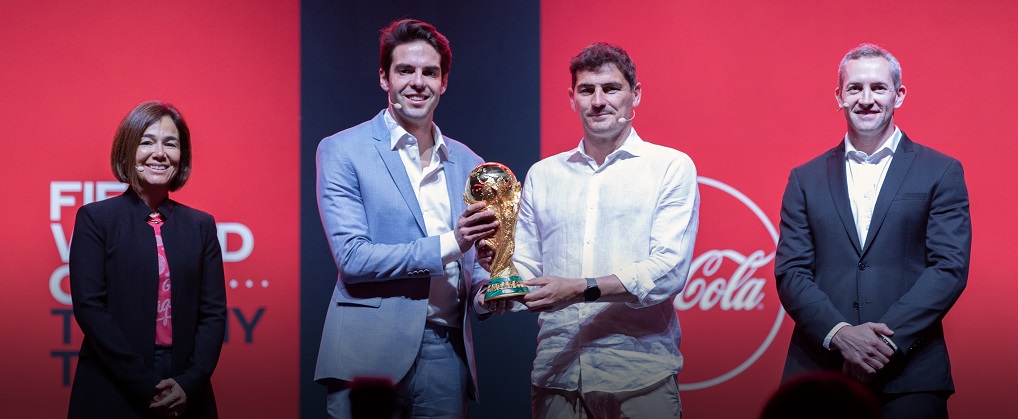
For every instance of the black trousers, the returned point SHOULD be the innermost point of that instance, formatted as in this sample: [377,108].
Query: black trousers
[163,361]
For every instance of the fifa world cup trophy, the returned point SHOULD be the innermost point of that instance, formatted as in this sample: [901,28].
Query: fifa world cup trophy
[496,186]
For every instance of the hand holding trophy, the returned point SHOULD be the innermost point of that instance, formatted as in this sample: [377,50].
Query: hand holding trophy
[497,187]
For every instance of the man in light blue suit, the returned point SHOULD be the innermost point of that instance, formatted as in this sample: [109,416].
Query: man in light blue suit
[390,194]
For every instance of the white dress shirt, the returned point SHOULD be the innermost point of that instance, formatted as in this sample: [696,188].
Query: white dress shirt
[635,216]
[865,175]
[433,197]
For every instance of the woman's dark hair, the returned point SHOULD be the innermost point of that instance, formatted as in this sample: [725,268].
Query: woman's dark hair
[128,137]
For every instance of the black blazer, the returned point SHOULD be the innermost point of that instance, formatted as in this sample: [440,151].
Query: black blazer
[908,274]
[114,281]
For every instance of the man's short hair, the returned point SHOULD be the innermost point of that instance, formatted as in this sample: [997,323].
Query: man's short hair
[597,55]
[870,51]
[409,30]
[123,156]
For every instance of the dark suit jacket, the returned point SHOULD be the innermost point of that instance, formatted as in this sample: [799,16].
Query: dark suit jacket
[114,281]
[908,274]
[376,317]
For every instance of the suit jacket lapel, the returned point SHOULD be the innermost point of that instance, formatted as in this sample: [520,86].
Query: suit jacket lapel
[838,184]
[397,170]
[455,179]
[455,174]
[903,158]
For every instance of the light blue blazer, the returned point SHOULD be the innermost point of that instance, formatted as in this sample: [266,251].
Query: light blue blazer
[375,320]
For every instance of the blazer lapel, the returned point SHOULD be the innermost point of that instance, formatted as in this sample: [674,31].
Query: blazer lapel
[397,170]
[900,165]
[838,185]
[455,179]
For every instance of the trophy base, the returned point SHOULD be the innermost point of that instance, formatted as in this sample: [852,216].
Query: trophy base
[512,286]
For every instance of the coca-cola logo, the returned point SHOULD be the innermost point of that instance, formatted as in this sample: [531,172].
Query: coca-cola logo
[728,312]
[741,291]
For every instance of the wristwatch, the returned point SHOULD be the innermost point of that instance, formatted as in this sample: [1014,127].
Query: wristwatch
[592,292]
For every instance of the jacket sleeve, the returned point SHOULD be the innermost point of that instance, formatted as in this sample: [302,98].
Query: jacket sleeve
[794,268]
[89,298]
[948,246]
[211,329]
[359,256]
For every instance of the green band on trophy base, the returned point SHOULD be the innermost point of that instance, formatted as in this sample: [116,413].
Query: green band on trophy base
[505,287]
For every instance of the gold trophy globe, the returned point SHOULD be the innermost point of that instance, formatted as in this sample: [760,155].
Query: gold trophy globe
[495,185]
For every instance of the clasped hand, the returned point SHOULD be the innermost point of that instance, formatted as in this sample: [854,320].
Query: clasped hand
[170,401]
[864,351]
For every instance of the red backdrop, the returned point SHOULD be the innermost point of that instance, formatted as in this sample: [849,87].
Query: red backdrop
[71,71]
[746,88]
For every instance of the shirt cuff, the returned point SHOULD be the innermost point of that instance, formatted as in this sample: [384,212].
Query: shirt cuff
[888,341]
[834,331]
[633,284]
[450,249]
[479,309]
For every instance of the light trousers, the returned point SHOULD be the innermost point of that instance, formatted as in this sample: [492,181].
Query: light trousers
[657,401]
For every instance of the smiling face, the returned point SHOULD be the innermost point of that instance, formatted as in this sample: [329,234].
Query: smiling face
[870,95]
[414,81]
[601,97]
[157,158]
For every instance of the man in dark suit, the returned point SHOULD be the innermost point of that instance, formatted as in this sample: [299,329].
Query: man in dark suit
[390,193]
[874,249]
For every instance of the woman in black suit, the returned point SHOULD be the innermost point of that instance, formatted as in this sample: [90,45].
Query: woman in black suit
[149,348]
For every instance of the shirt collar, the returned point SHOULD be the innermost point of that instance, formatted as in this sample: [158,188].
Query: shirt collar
[886,149]
[400,138]
[631,147]
[141,210]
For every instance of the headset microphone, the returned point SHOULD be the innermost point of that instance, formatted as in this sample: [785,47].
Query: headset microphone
[396,105]
[628,119]
[843,106]
[139,168]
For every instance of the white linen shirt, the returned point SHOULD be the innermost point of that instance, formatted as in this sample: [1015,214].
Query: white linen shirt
[635,217]
[433,197]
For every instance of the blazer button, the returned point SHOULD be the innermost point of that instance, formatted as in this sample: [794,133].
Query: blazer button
[855,305]
[862,266]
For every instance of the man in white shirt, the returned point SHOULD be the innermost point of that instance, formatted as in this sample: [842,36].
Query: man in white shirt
[390,193]
[604,236]
[874,249]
